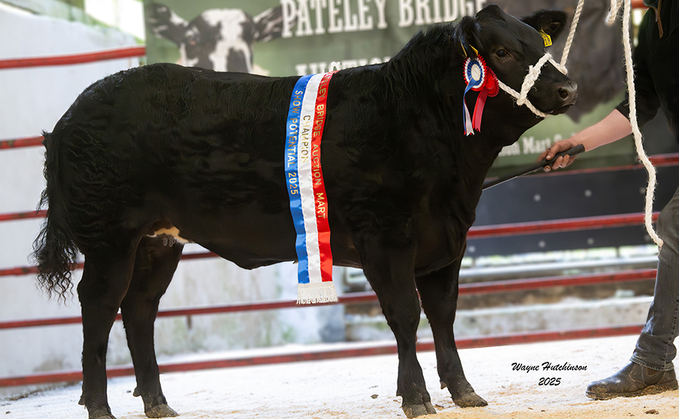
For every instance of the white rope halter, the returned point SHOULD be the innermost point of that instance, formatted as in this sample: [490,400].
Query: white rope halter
[534,73]
[529,81]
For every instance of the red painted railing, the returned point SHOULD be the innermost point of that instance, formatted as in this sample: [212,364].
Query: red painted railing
[535,227]
[21,142]
[376,349]
[366,297]
[70,59]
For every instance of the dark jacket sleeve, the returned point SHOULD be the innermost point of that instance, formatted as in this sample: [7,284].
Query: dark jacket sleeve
[647,99]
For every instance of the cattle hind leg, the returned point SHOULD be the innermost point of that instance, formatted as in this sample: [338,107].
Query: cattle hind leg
[390,273]
[438,291]
[154,267]
[106,277]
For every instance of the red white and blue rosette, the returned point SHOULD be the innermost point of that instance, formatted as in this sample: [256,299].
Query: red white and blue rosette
[478,77]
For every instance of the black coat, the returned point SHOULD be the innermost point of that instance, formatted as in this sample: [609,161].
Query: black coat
[656,67]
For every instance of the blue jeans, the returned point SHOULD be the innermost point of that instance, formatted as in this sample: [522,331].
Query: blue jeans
[655,347]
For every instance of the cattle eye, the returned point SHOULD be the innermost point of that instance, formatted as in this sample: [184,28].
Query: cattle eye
[502,53]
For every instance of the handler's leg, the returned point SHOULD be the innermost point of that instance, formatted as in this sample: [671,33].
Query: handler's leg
[153,269]
[438,291]
[651,370]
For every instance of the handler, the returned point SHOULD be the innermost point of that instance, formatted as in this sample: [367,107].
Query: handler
[656,70]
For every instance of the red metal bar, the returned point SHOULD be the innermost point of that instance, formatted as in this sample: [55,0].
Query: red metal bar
[658,160]
[669,159]
[21,142]
[200,255]
[112,54]
[366,297]
[533,227]
[229,308]
[40,322]
[559,281]
[378,349]
[26,270]
[551,226]
[546,336]
[536,227]
[23,215]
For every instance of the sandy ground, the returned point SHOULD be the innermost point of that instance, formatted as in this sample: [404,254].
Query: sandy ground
[365,388]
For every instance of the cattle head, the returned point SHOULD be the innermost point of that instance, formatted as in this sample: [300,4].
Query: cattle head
[510,46]
[217,39]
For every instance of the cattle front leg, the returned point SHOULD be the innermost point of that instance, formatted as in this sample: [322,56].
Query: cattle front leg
[154,266]
[438,291]
[106,276]
[390,273]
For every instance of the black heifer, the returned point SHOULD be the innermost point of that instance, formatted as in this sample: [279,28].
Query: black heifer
[162,145]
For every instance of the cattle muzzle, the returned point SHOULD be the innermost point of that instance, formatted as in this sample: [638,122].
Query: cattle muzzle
[567,93]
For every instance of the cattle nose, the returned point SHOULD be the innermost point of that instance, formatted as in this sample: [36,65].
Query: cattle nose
[568,92]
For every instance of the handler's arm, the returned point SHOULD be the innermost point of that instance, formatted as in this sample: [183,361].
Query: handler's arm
[616,125]
[612,128]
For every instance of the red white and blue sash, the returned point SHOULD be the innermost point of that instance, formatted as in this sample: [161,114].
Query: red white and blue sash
[306,189]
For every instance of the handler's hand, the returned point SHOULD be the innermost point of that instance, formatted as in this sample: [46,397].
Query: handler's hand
[555,149]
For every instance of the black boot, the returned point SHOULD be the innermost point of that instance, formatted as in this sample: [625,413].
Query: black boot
[633,380]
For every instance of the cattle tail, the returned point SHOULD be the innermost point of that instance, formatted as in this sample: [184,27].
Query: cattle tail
[54,250]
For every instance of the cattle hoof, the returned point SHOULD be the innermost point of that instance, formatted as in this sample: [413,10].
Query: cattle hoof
[100,415]
[430,408]
[470,400]
[161,411]
[419,410]
[136,392]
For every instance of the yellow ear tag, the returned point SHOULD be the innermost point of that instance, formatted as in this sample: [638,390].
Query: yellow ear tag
[546,38]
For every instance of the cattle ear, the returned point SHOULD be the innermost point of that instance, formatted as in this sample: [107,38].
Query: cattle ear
[165,23]
[466,34]
[551,22]
[269,24]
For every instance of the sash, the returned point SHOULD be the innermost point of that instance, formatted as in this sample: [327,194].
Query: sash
[306,189]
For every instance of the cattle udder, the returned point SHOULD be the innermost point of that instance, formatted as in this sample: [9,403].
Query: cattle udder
[167,147]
